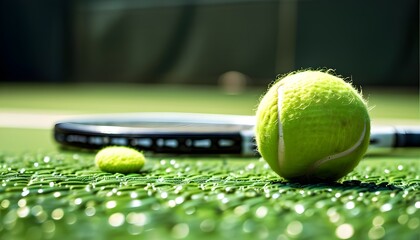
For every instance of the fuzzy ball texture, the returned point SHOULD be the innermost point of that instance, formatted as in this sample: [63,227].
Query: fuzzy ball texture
[312,127]
[119,160]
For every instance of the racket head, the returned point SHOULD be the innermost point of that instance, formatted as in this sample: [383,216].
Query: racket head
[174,133]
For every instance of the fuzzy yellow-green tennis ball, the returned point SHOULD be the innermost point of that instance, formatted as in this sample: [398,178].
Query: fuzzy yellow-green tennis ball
[312,127]
[119,160]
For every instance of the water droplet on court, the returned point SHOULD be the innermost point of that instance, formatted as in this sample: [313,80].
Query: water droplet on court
[386,207]
[299,208]
[78,201]
[25,192]
[190,210]
[47,159]
[403,219]
[250,166]
[22,202]
[22,212]
[294,228]
[413,223]
[344,231]
[179,200]
[90,211]
[138,219]
[378,221]
[5,203]
[333,215]
[48,227]
[261,212]
[207,225]
[240,210]
[57,214]
[164,195]
[110,204]
[275,195]
[171,203]
[116,219]
[180,231]
[250,193]
[71,219]
[248,226]
[376,233]
[40,215]
[349,205]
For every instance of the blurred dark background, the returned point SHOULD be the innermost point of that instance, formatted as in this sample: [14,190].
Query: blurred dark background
[375,42]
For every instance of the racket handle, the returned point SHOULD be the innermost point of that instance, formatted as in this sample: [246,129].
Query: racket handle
[380,137]
[249,146]
[395,137]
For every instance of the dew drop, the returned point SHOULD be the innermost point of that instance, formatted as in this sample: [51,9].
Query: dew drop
[180,231]
[116,219]
[57,214]
[294,228]
[344,231]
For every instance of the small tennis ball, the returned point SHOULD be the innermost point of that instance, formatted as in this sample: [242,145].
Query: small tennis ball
[119,160]
[312,127]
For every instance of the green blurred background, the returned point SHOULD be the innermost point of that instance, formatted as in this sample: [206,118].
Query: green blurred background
[196,41]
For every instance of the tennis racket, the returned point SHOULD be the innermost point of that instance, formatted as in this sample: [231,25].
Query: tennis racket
[188,133]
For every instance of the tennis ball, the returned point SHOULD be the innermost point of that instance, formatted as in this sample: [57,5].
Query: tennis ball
[119,160]
[312,126]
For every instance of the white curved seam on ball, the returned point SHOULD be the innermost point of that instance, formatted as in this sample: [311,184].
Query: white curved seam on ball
[280,147]
[341,154]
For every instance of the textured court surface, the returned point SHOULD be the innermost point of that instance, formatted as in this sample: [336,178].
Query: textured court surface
[46,193]
[64,196]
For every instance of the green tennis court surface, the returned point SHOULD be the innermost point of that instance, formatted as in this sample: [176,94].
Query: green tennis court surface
[49,193]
